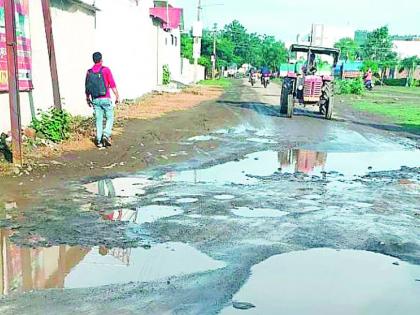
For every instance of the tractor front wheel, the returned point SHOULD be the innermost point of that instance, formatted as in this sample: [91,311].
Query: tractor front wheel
[327,100]
[286,100]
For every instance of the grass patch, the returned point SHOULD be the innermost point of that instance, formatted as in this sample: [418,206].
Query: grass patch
[222,83]
[390,90]
[405,114]
[399,105]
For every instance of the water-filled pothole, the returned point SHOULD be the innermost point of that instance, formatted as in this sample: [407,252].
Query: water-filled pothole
[120,187]
[327,281]
[77,267]
[267,163]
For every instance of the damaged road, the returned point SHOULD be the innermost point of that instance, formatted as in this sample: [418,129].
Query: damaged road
[261,215]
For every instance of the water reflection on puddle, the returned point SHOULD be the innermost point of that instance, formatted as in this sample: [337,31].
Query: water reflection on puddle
[141,215]
[266,163]
[139,265]
[326,281]
[120,187]
[25,269]
[261,163]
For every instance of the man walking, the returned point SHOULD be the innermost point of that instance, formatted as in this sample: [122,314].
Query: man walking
[99,82]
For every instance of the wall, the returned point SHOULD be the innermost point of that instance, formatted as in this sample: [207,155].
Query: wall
[187,72]
[73,29]
[404,74]
[170,52]
[405,48]
[134,46]
[127,38]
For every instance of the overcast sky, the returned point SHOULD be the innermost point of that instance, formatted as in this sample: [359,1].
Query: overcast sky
[286,18]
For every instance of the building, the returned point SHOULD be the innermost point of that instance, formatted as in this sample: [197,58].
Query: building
[137,38]
[74,33]
[326,35]
[407,48]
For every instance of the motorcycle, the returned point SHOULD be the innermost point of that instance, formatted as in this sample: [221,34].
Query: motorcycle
[368,85]
[265,80]
[253,79]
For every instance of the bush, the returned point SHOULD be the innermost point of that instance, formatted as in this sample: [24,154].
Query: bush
[166,79]
[352,86]
[53,125]
[395,82]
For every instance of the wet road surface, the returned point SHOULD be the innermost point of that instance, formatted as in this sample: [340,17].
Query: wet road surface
[301,216]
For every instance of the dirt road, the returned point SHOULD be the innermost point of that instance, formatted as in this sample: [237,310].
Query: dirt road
[253,211]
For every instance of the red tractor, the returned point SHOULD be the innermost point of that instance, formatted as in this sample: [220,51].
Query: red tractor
[310,83]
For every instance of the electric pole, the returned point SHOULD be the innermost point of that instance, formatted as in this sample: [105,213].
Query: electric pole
[197,32]
[13,80]
[213,72]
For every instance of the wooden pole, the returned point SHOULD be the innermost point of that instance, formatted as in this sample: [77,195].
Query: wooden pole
[13,80]
[51,53]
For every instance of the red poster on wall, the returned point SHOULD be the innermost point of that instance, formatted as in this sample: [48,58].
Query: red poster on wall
[24,47]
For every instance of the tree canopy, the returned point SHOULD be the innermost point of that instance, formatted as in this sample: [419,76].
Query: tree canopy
[378,48]
[350,50]
[235,45]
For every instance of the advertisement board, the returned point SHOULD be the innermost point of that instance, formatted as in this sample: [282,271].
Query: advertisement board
[24,47]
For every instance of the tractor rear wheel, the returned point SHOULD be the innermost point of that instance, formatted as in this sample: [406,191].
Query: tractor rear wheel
[327,100]
[286,99]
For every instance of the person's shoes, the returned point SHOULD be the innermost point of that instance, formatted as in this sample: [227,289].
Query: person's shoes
[99,144]
[106,141]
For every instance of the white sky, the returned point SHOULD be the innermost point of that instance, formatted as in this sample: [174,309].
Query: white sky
[286,18]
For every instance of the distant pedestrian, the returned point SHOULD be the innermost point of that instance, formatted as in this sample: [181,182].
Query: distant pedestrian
[99,82]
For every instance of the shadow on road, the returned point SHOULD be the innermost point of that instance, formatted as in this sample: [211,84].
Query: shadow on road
[270,110]
[260,108]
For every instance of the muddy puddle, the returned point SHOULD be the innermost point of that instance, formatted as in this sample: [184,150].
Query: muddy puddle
[327,281]
[25,269]
[120,187]
[266,163]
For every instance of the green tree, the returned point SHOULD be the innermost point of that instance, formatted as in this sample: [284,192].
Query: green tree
[187,42]
[238,35]
[236,46]
[410,64]
[378,48]
[273,52]
[350,50]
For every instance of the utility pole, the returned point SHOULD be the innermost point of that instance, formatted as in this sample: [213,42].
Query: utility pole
[197,41]
[213,69]
[51,53]
[13,80]
[199,7]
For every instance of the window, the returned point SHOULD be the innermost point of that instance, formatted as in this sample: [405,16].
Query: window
[172,40]
[176,41]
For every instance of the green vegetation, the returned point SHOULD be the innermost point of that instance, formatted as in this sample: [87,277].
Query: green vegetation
[376,50]
[166,77]
[400,105]
[235,46]
[222,83]
[410,64]
[350,50]
[53,125]
[353,86]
